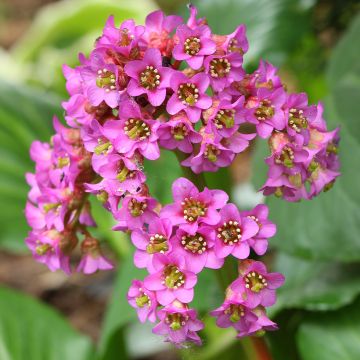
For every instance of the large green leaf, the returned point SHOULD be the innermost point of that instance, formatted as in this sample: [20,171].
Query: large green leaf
[25,115]
[331,336]
[316,285]
[328,226]
[64,29]
[30,330]
[119,313]
[268,23]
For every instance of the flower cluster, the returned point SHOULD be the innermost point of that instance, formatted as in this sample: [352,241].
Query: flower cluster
[199,230]
[58,208]
[174,85]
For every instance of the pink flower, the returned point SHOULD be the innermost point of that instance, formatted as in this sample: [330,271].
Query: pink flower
[189,95]
[233,233]
[191,207]
[193,45]
[225,115]
[149,77]
[178,324]
[158,28]
[154,240]
[237,42]
[267,229]
[92,259]
[100,81]
[224,70]
[171,279]
[211,156]
[178,133]
[124,171]
[143,300]
[122,39]
[134,131]
[136,210]
[48,248]
[234,313]
[197,249]
[256,285]
[265,111]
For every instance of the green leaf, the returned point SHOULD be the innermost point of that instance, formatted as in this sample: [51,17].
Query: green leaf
[331,336]
[25,115]
[63,29]
[327,227]
[161,174]
[119,313]
[267,22]
[31,330]
[316,285]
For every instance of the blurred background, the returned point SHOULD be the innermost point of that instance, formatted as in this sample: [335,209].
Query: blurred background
[48,316]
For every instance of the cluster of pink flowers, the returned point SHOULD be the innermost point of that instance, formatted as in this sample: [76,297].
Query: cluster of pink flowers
[199,230]
[177,86]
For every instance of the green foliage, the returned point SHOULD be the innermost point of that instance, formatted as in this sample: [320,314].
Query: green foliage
[316,285]
[63,29]
[33,331]
[25,115]
[267,22]
[331,336]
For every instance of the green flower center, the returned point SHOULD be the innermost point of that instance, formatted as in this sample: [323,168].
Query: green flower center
[192,209]
[150,78]
[188,94]
[229,232]
[157,244]
[265,111]
[219,68]
[192,45]
[225,118]
[173,278]
[255,282]
[297,120]
[211,153]
[137,129]
[286,157]
[106,80]
[136,208]
[194,243]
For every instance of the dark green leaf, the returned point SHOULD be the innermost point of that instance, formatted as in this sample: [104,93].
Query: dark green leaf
[316,285]
[267,22]
[33,331]
[25,115]
[119,313]
[331,336]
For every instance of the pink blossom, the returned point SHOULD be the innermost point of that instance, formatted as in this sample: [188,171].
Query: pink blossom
[152,241]
[189,95]
[178,324]
[143,300]
[178,133]
[193,45]
[267,229]
[134,131]
[224,69]
[256,285]
[149,77]
[100,81]
[233,233]
[171,279]
[197,248]
[191,207]
[92,259]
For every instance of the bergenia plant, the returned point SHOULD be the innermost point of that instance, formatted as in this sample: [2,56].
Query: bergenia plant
[174,85]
